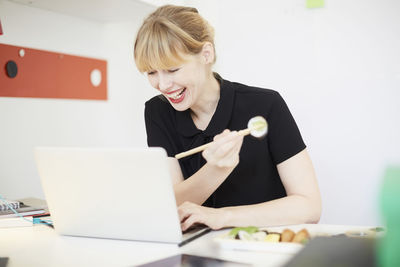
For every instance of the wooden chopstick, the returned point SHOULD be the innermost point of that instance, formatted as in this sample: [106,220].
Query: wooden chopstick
[195,150]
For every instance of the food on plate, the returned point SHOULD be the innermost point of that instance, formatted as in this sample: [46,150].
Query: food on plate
[235,231]
[302,236]
[273,237]
[287,235]
[260,236]
[243,235]
[253,233]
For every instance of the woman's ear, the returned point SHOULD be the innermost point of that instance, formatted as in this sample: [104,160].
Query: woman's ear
[208,53]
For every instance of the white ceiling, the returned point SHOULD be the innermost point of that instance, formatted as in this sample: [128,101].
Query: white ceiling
[97,10]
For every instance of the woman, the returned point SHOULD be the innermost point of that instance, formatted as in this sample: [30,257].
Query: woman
[236,181]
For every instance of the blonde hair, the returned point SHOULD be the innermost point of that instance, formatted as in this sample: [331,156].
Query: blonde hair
[168,34]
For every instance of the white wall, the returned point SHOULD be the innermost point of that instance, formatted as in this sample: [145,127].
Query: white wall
[338,68]
[29,122]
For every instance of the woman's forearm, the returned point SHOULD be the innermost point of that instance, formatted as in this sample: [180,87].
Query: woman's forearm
[198,187]
[294,209]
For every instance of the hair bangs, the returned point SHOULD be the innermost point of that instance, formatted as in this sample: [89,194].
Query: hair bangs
[159,49]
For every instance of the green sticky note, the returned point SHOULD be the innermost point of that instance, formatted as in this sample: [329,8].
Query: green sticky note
[314,3]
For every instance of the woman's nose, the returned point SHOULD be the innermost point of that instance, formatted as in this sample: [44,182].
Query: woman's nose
[164,83]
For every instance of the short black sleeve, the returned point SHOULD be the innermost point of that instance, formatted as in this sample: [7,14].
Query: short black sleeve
[157,134]
[284,137]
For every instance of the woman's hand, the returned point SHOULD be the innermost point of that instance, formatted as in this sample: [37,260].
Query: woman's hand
[224,151]
[222,156]
[191,214]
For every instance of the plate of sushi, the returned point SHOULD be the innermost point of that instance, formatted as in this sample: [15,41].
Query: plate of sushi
[264,239]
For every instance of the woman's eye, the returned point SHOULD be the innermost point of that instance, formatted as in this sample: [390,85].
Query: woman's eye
[173,70]
[151,72]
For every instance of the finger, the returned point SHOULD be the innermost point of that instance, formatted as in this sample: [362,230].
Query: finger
[186,224]
[184,211]
[223,147]
[224,133]
[231,136]
[229,161]
[192,220]
[224,151]
[239,143]
[226,148]
[221,153]
[232,157]
[183,216]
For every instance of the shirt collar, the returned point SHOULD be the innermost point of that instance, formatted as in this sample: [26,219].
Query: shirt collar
[219,120]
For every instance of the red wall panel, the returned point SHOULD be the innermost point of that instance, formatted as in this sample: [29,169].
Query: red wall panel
[46,74]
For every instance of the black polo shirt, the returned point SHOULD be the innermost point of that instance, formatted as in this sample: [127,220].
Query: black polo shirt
[255,179]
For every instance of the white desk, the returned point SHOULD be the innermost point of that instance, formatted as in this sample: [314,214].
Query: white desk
[41,246]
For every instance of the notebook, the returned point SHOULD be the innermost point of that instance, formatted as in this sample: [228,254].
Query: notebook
[5,204]
[117,193]
[23,210]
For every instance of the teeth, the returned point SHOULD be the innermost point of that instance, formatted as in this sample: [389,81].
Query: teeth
[176,95]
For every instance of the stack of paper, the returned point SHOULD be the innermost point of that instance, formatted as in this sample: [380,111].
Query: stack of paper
[15,222]
[24,210]
[27,207]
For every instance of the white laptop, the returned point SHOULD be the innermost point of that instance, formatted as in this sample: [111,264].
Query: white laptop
[118,193]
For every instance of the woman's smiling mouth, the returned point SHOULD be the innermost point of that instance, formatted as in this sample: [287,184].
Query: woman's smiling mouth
[177,96]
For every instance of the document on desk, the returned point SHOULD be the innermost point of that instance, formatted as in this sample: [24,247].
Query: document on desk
[15,222]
